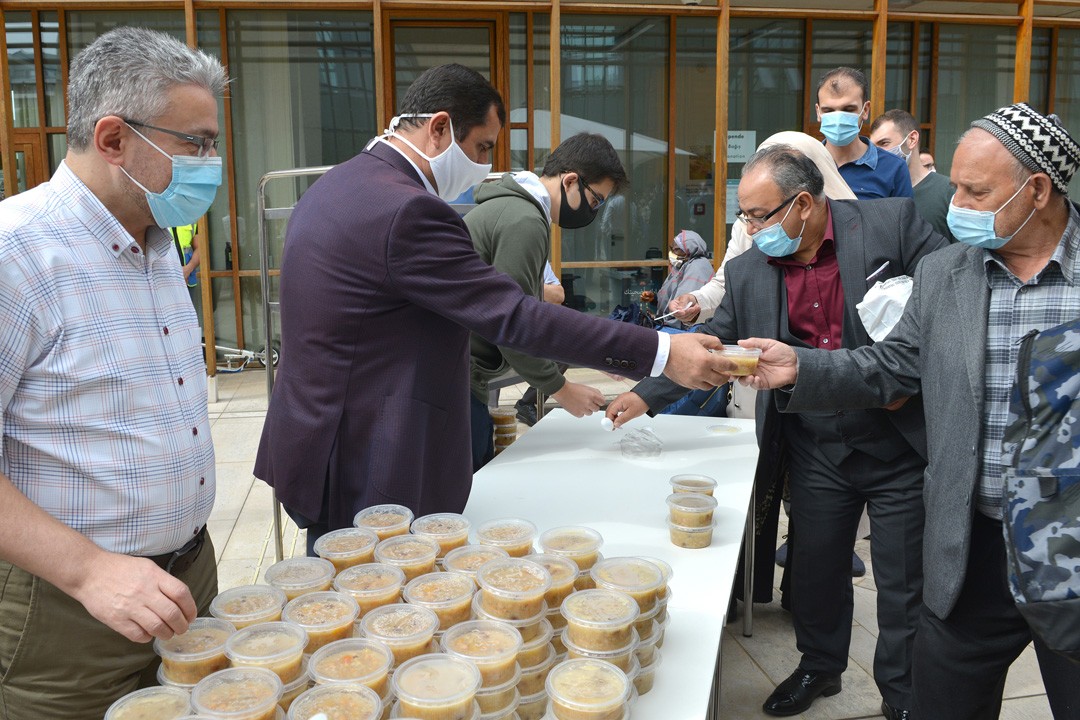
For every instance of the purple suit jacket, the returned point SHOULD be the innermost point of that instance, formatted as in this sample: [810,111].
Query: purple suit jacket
[380,286]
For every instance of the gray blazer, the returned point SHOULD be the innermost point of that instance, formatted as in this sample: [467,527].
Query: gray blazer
[947,317]
[868,233]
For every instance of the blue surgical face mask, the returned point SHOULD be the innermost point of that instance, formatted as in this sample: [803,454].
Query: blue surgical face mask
[976,227]
[840,128]
[194,184]
[774,240]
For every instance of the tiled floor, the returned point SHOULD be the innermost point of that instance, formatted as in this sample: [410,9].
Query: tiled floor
[242,530]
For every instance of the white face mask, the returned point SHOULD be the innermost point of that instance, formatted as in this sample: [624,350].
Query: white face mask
[454,172]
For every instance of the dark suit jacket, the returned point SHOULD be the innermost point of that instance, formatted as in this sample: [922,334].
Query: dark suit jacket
[938,348]
[868,233]
[380,286]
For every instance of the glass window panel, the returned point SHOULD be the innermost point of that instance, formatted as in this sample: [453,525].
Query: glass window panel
[519,58]
[49,24]
[84,26]
[592,290]
[765,76]
[221,292]
[926,54]
[1067,89]
[541,66]
[304,96]
[975,77]
[1039,92]
[898,63]
[614,81]
[519,150]
[837,43]
[21,70]
[218,230]
[695,125]
[417,48]
[57,150]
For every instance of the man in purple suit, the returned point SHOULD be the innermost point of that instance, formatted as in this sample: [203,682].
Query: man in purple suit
[380,286]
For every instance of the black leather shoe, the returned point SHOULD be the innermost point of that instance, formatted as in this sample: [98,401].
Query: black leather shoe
[526,413]
[796,694]
[892,713]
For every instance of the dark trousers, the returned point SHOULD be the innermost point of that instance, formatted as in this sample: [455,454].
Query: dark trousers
[827,501]
[961,661]
[483,429]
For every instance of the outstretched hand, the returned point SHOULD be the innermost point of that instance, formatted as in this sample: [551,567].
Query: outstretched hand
[693,364]
[625,408]
[777,367]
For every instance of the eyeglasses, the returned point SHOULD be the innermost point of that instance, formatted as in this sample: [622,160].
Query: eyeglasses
[759,223]
[597,198]
[205,144]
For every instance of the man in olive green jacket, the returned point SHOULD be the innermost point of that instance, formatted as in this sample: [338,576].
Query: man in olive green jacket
[510,229]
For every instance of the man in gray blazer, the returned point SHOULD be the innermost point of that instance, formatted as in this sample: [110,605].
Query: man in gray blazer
[812,263]
[1016,269]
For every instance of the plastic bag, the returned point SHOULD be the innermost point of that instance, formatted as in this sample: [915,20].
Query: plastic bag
[643,443]
[883,305]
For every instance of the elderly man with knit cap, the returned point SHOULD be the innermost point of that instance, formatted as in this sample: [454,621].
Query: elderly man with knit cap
[1014,270]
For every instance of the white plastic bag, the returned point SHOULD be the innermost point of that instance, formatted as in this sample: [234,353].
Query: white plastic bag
[883,305]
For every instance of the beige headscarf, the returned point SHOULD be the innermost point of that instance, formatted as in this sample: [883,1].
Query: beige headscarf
[835,187]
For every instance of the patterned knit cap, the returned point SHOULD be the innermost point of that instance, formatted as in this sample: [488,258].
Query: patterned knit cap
[1039,142]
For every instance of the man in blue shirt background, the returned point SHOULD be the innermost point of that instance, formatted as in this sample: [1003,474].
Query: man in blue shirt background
[843,106]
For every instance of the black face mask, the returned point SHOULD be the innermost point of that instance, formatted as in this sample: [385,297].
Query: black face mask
[571,218]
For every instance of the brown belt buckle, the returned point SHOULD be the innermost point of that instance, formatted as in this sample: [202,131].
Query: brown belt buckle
[181,559]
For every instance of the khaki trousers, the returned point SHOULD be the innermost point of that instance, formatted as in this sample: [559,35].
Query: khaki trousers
[58,662]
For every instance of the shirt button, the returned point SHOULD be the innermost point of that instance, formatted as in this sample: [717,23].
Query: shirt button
[180,381]
[115,247]
[135,249]
[165,330]
[809,267]
[202,481]
[817,305]
[1023,289]
[194,431]
[824,341]
[195,531]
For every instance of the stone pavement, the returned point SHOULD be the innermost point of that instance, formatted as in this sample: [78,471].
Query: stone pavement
[242,530]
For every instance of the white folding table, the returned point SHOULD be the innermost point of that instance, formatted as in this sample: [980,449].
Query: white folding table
[570,471]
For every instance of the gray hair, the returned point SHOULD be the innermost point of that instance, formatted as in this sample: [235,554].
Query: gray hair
[128,72]
[791,170]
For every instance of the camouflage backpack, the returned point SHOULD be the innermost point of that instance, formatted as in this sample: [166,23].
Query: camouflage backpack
[1041,457]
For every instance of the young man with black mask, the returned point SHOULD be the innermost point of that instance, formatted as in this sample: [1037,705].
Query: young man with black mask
[510,228]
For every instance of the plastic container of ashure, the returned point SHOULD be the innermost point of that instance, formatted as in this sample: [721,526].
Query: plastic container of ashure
[301,575]
[275,646]
[385,520]
[449,595]
[372,585]
[647,675]
[436,687]
[500,697]
[535,650]
[665,571]
[355,702]
[238,694]
[646,648]
[577,542]
[690,538]
[450,530]
[159,703]
[491,645]
[692,483]
[563,571]
[189,657]
[622,658]
[513,589]
[248,605]
[347,547]
[533,707]
[294,689]
[529,627]
[691,509]
[469,558]
[326,616]
[359,661]
[745,359]
[414,555]
[600,620]
[514,535]
[640,579]
[532,678]
[585,689]
[406,629]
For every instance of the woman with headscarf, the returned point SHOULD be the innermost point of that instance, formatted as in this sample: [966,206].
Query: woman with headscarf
[690,270]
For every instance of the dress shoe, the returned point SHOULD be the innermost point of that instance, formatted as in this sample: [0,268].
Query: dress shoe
[858,567]
[526,413]
[796,694]
[781,555]
[892,713]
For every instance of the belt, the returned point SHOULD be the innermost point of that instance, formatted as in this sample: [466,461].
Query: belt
[178,561]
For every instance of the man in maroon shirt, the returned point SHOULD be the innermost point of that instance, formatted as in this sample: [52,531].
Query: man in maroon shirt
[813,261]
